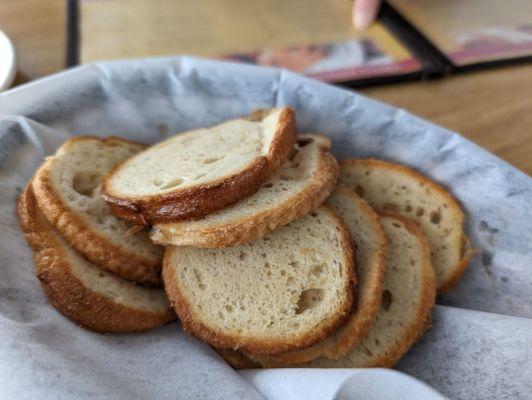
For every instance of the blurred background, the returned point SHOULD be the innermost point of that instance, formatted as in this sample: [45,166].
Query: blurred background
[462,64]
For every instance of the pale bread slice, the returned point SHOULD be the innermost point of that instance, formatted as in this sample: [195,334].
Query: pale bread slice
[282,292]
[198,172]
[392,187]
[67,189]
[368,235]
[299,186]
[407,300]
[83,292]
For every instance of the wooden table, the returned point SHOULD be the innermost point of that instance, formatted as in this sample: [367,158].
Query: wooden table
[492,108]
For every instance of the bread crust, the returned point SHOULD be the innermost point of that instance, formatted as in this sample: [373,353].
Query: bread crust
[66,292]
[193,323]
[200,200]
[358,325]
[255,226]
[92,245]
[461,265]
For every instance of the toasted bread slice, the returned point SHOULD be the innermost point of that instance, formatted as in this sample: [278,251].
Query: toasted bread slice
[298,187]
[282,292]
[67,189]
[391,187]
[83,292]
[368,234]
[196,173]
[407,299]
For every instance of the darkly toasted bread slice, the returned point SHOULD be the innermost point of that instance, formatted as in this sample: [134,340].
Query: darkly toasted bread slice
[67,189]
[83,292]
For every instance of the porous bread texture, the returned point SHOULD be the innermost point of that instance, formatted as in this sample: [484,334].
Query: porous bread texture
[407,299]
[391,187]
[83,292]
[285,291]
[67,188]
[368,234]
[195,173]
[304,181]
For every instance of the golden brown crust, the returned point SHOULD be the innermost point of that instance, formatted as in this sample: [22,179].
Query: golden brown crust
[255,226]
[198,201]
[360,322]
[65,291]
[428,298]
[461,265]
[266,346]
[92,245]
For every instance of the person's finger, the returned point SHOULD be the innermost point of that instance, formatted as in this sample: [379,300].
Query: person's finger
[365,12]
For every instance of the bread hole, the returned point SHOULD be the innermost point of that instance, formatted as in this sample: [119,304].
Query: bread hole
[435,217]
[396,225]
[318,270]
[283,272]
[85,183]
[173,183]
[242,256]
[199,176]
[202,286]
[229,308]
[314,214]
[386,300]
[302,142]
[290,281]
[268,185]
[308,299]
[419,212]
[412,262]
[285,178]
[359,190]
[390,207]
[408,208]
[221,315]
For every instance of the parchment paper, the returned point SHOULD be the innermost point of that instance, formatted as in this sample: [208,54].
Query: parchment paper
[480,346]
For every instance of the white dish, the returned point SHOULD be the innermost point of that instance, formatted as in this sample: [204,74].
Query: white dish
[8,62]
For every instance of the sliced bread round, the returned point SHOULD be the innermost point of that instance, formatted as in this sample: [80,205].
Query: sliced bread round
[391,187]
[282,292]
[195,173]
[67,189]
[83,292]
[407,299]
[368,234]
[298,187]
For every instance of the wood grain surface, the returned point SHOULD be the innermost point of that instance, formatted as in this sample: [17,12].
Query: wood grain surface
[492,108]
